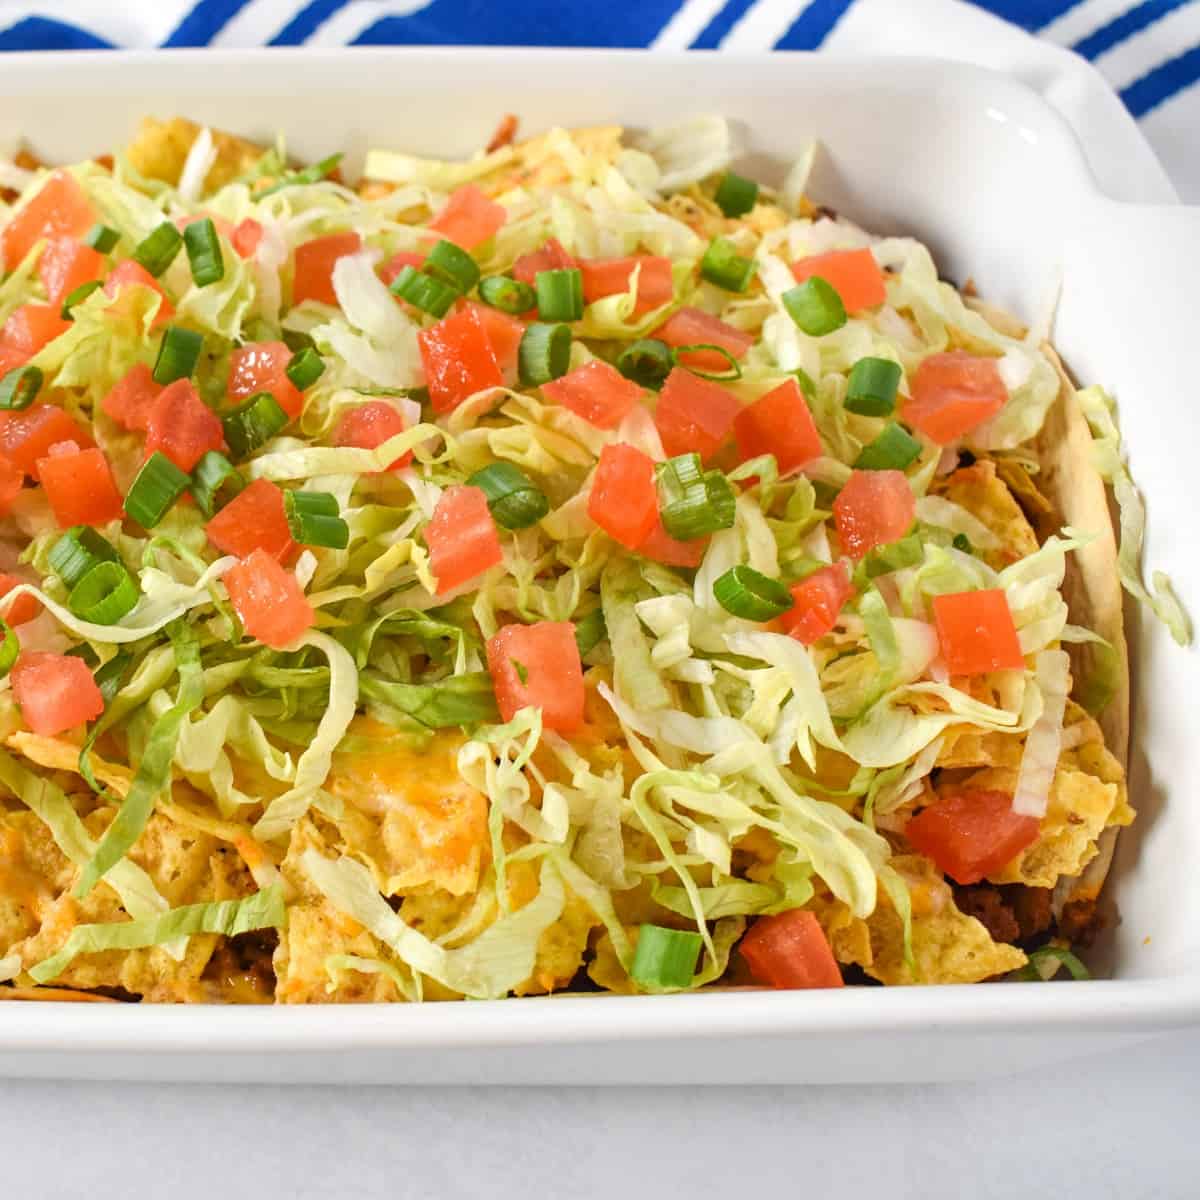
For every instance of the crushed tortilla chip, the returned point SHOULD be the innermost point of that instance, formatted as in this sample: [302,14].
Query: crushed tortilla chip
[980,490]
[160,149]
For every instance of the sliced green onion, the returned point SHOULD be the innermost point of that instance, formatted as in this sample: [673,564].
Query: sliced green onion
[85,652]
[9,649]
[513,499]
[508,295]
[893,450]
[871,390]
[104,595]
[19,388]
[1057,954]
[750,594]
[805,380]
[305,368]
[559,294]
[961,542]
[647,362]
[79,550]
[590,632]
[665,958]
[296,340]
[693,502]
[253,423]
[215,481]
[77,296]
[894,556]
[424,292]
[544,353]
[155,489]
[734,371]
[204,252]
[102,238]
[452,265]
[313,173]
[178,354]
[815,306]
[111,675]
[157,251]
[736,195]
[313,520]
[725,267]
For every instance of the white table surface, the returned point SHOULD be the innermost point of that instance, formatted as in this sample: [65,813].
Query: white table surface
[1124,1127]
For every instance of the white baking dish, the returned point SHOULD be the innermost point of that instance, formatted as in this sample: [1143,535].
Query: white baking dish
[991,177]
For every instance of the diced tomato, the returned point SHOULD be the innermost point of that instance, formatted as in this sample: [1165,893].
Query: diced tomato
[469,218]
[694,327]
[624,498]
[59,208]
[853,274]
[817,600]
[538,666]
[662,547]
[596,392]
[247,234]
[778,423]
[609,276]
[976,632]
[370,424]
[23,608]
[694,414]
[262,367]
[972,833]
[130,401]
[397,263]
[268,600]
[253,520]
[874,508]
[66,264]
[80,487]
[952,393]
[133,272]
[12,480]
[56,692]
[504,332]
[182,426]
[550,256]
[27,436]
[461,537]
[459,359]
[313,277]
[790,950]
[26,331]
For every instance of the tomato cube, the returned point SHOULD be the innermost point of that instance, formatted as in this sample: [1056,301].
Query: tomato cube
[462,538]
[503,332]
[59,208]
[130,272]
[778,423]
[370,424]
[972,833]
[182,426]
[253,520]
[661,547]
[397,263]
[610,276]
[314,261]
[550,256]
[459,359]
[853,274]
[23,608]
[247,234]
[596,392]
[790,950]
[976,632]
[26,331]
[694,414]
[538,666]
[262,367]
[624,497]
[26,437]
[694,327]
[268,600]
[469,218]
[952,393]
[12,480]
[80,487]
[816,602]
[874,508]
[66,264]
[55,692]
[131,399]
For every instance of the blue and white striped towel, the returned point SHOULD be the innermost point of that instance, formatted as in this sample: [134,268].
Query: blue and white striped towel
[1149,51]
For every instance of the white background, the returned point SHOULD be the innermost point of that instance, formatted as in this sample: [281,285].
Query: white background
[1126,1127]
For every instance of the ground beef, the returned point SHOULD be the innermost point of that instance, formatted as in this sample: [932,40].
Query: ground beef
[1080,922]
[1013,913]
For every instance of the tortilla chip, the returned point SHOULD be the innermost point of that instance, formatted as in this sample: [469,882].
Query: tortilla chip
[538,162]
[985,496]
[160,149]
